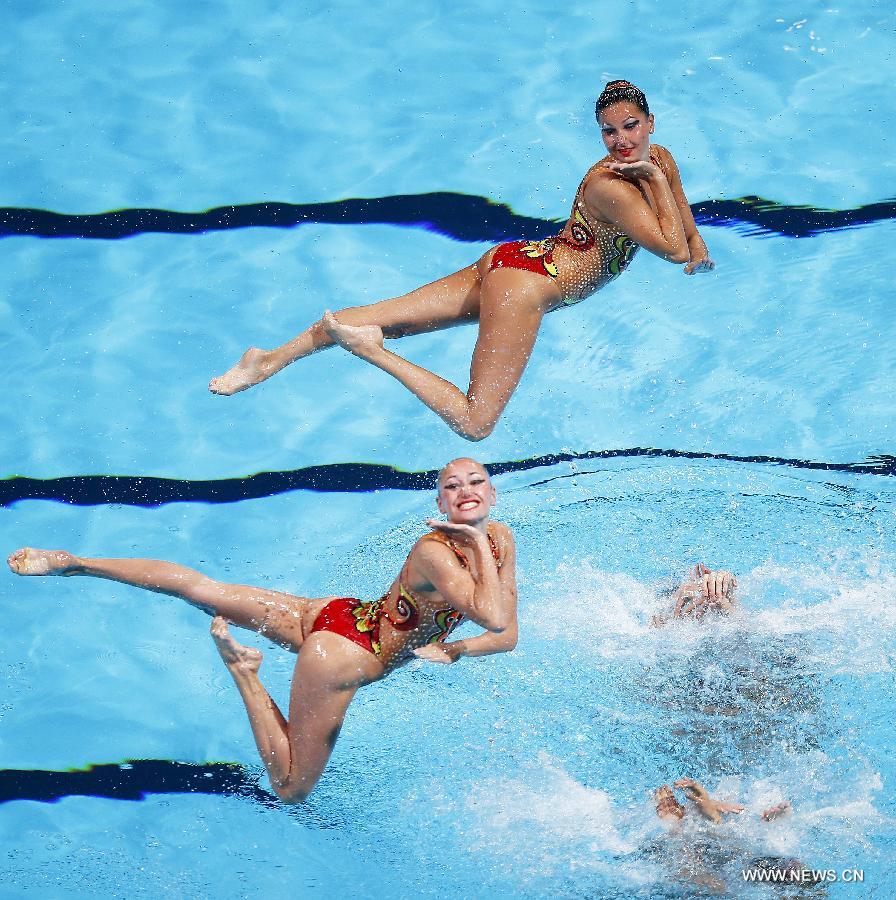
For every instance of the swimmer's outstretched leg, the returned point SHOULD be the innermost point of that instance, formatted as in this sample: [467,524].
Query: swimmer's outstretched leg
[296,751]
[276,614]
[449,301]
[512,304]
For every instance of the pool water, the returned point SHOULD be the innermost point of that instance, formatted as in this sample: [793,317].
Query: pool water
[741,419]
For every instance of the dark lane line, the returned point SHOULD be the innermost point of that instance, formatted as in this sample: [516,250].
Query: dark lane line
[149,491]
[462,217]
[133,780]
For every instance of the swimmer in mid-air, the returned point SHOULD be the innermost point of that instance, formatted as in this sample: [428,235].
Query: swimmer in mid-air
[631,198]
[464,567]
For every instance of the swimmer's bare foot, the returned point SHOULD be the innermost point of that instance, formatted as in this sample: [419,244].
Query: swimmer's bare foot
[667,806]
[777,811]
[358,339]
[707,806]
[29,561]
[237,657]
[253,367]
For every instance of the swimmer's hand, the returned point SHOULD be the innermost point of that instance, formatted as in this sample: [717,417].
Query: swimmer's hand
[689,603]
[701,264]
[776,811]
[710,808]
[635,171]
[715,585]
[439,653]
[708,590]
[466,534]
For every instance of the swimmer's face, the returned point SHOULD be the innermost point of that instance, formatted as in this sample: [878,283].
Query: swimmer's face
[626,132]
[466,494]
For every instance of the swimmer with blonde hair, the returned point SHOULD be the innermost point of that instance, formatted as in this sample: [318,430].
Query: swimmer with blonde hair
[464,567]
[630,198]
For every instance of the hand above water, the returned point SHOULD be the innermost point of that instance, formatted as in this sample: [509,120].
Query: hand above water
[709,807]
[715,584]
[708,590]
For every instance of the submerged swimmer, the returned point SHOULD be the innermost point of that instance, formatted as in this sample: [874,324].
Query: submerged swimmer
[464,567]
[630,198]
[700,861]
[707,591]
[669,809]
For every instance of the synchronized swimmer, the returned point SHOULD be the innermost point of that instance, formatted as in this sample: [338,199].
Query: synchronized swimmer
[464,568]
[630,198]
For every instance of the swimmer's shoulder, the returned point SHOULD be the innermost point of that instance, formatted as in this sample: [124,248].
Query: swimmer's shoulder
[500,531]
[432,553]
[602,189]
[664,159]
[502,535]
[434,547]
[597,173]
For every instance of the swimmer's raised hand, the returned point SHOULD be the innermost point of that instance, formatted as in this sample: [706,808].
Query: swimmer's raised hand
[714,585]
[690,603]
[708,806]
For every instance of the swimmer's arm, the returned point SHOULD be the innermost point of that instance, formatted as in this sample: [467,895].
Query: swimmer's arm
[490,642]
[699,255]
[619,201]
[479,599]
[485,644]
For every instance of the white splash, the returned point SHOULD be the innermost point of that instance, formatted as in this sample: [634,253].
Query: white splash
[846,618]
[553,821]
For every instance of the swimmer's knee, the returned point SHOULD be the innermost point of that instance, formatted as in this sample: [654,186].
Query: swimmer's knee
[292,796]
[477,431]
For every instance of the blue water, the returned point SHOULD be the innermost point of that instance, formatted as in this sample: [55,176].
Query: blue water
[524,775]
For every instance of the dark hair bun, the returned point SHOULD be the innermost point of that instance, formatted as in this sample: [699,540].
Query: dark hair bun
[621,91]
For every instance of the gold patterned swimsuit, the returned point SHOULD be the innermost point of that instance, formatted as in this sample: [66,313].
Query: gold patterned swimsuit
[586,255]
[361,621]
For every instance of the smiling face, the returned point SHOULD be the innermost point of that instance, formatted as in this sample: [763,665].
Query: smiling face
[626,132]
[466,494]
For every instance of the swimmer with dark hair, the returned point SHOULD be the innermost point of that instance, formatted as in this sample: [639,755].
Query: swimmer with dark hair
[464,567]
[630,198]
[708,591]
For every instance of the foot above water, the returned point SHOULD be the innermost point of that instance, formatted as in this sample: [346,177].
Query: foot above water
[30,561]
[251,369]
[237,657]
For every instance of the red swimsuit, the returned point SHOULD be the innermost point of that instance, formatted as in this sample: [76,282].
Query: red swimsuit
[585,256]
[359,621]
